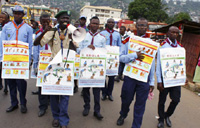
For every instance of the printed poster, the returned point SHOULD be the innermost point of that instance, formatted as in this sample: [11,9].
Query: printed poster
[44,59]
[112,64]
[137,69]
[15,60]
[58,77]
[92,71]
[173,66]
[76,67]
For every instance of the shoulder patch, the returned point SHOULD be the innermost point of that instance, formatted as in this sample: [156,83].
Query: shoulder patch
[102,35]
[179,43]
[161,44]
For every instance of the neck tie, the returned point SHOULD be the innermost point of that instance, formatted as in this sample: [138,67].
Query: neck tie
[93,35]
[111,38]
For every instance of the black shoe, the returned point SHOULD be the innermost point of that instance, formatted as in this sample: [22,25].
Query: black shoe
[1,87]
[121,78]
[160,125]
[35,92]
[120,121]
[168,122]
[110,97]
[103,97]
[11,108]
[5,92]
[41,113]
[75,89]
[117,78]
[23,109]
[98,116]
[85,112]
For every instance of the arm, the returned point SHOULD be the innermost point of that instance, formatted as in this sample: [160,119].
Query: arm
[160,86]
[30,41]
[35,56]
[158,68]
[38,39]
[151,74]
[119,41]
[3,37]
[124,56]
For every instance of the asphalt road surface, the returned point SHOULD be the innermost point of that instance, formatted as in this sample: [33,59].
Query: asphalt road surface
[187,114]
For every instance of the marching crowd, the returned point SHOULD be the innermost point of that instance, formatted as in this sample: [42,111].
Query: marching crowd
[57,37]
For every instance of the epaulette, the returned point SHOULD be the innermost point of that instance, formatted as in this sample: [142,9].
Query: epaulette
[102,35]
[37,32]
[161,44]
[126,40]
[179,44]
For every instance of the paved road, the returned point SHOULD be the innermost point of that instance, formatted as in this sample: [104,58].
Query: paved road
[186,115]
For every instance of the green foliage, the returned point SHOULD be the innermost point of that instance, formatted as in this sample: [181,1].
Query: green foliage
[178,17]
[153,10]
[181,16]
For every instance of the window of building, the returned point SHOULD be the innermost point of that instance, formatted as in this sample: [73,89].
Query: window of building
[91,10]
[102,10]
[97,10]
[107,11]
[112,12]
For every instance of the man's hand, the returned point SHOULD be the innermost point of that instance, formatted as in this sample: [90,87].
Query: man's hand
[186,82]
[91,46]
[160,87]
[70,36]
[47,28]
[151,89]
[140,55]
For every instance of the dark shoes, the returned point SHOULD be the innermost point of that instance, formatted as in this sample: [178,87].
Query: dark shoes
[110,97]
[160,125]
[103,97]
[75,89]
[120,121]
[5,91]
[11,108]
[168,122]
[117,78]
[55,123]
[41,113]
[98,116]
[35,92]
[85,112]
[23,109]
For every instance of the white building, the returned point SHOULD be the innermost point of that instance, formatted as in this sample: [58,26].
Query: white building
[103,12]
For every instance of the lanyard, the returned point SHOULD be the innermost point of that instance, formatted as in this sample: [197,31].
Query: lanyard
[17,29]
[61,40]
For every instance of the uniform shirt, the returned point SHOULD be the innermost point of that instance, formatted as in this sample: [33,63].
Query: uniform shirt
[116,38]
[127,58]
[166,44]
[36,52]
[55,44]
[25,33]
[99,41]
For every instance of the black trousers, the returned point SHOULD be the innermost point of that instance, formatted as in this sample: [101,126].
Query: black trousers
[175,94]
[86,97]
[43,100]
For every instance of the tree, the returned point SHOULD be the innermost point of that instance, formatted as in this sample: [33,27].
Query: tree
[152,10]
[181,16]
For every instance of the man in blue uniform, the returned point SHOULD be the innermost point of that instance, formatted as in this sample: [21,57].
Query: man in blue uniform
[125,39]
[18,30]
[58,38]
[113,39]
[43,99]
[132,86]
[175,92]
[93,39]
